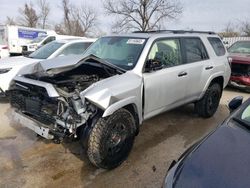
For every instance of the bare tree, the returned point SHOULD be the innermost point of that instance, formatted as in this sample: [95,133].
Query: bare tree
[66,12]
[142,15]
[44,10]
[230,30]
[77,21]
[29,16]
[85,18]
[10,21]
[245,28]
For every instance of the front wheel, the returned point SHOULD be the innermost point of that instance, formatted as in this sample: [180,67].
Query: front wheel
[207,106]
[111,139]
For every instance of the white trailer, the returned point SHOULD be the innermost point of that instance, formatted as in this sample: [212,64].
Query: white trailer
[14,37]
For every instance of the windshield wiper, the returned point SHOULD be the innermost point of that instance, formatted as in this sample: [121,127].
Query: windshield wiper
[241,122]
[102,61]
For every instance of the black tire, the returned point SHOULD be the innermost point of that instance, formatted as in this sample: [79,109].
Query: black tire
[111,139]
[208,105]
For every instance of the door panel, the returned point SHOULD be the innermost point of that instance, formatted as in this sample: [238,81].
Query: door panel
[165,88]
[198,66]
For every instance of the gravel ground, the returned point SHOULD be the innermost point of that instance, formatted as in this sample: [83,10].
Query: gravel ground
[30,161]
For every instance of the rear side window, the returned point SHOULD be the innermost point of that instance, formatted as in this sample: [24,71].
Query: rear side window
[194,50]
[217,45]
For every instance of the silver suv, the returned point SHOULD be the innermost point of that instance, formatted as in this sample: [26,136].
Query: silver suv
[121,81]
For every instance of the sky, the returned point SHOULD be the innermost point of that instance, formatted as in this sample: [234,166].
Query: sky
[211,15]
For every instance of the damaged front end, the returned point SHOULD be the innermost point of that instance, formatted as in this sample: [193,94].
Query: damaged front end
[52,104]
[240,76]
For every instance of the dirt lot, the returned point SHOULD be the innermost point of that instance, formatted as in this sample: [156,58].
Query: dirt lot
[30,161]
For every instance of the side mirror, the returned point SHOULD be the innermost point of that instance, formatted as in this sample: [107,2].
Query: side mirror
[153,65]
[235,103]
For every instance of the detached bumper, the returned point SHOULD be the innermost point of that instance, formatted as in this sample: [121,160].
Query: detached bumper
[33,125]
[240,82]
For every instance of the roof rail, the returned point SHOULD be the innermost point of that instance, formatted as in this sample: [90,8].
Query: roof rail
[176,31]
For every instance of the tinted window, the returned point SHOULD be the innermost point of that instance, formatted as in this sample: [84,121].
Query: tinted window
[217,45]
[166,51]
[47,50]
[194,50]
[77,48]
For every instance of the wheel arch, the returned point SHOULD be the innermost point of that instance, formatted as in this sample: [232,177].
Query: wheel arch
[215,79]
[129,104]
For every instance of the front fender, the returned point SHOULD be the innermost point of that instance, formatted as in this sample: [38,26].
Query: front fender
[122,103]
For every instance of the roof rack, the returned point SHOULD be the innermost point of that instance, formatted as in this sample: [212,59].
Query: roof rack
[176,31]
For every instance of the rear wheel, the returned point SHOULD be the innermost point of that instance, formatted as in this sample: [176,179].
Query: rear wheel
[111,139]
[207,106]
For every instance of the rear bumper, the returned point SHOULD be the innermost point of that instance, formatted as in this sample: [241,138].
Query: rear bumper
[33,125]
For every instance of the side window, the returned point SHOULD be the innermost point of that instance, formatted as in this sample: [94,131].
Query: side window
[77,49]
[195,50]
[166,51]
[49,39]
[217,45]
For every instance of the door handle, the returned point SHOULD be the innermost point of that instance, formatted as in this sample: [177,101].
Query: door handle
[181,74]
[209,67]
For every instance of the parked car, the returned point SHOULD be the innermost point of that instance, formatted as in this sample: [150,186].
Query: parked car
[42,40]
[121,81]
[240,54]
[221,159]
[9,67]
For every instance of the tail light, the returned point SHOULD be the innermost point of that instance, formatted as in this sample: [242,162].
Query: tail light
[5,48]
[230,60]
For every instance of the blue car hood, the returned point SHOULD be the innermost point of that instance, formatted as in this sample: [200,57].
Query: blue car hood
[222,160]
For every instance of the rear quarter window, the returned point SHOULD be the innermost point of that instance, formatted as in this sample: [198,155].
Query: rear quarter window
[217,45]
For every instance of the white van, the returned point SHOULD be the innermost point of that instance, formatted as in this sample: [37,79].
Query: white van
[42,40]
[14,37]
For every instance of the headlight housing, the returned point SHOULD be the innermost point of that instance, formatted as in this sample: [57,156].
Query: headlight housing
[3,71]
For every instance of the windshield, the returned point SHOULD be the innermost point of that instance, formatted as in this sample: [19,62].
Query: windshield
[123,52]
[240,47]
[47,50]
[38,39]
[243,116]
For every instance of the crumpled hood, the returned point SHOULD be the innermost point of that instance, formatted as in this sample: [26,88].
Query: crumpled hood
[240,58]
[222,160]
[40,67]
[60,62]
[63,64]
[16,61]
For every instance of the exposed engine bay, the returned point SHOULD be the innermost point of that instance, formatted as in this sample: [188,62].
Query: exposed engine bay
[240,69]
[65,114]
